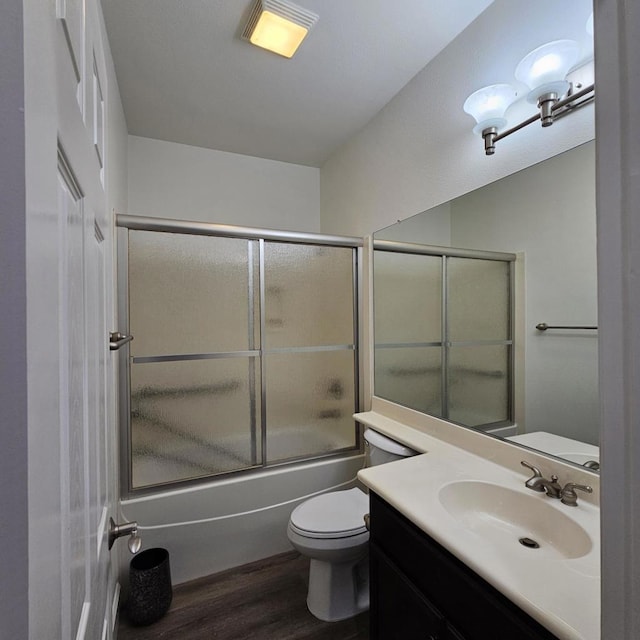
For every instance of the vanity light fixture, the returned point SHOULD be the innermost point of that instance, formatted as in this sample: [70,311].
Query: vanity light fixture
[589,25]
[544,71]
[278,25]
[488,106]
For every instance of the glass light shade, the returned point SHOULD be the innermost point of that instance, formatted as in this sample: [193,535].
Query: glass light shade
[278,34]
[489,104]
[545,69]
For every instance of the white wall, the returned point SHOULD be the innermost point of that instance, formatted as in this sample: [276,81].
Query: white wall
[116,180]
[169,180]
[618,199]
[419,151]
[13,311]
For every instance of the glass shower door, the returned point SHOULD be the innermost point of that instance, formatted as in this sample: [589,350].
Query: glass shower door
[310,350]
[244,354]
[195,358]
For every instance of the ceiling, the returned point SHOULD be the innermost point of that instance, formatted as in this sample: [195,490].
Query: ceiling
[185,75]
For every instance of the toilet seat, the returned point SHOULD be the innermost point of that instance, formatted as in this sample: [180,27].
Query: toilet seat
[339,514]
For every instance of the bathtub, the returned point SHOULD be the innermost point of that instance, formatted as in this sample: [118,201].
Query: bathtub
[209,547]
[567,448]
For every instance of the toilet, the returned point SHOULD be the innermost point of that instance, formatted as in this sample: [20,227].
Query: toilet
[330,530]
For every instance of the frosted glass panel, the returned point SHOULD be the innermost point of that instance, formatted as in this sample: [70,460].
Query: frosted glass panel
[478,299]
[407,287]
[192,297]
[308,295]
[192,419]
[187,294]
[411,377]
[310,403]
[479,384]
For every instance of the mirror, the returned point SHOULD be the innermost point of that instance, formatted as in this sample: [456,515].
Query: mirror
[544,214]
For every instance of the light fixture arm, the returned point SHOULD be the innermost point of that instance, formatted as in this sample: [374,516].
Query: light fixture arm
[546,102]
[550,107]
[489,136]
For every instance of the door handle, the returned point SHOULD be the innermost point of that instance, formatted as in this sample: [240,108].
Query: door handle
[126,529]
[117,340]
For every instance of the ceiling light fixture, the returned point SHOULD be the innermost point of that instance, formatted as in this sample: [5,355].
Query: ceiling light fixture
[278,25]
[544,70]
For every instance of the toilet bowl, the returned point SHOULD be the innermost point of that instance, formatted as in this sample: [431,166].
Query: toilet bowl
[330,530]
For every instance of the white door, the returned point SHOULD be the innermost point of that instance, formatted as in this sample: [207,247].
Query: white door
[88,595]
[85,509]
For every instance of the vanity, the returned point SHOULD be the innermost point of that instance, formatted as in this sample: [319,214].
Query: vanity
[420,590]
[461,549]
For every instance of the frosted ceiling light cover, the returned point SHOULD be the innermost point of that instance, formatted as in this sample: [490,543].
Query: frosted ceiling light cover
[278,26]
[545,69]
[489,104]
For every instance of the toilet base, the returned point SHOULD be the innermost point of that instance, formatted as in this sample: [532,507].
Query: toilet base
[338,590]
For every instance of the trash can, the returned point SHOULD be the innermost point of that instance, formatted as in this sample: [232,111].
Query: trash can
[150,591]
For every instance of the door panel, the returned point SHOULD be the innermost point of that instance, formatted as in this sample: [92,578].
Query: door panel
[87,581]
[72,411]
[83,373]
[71,15]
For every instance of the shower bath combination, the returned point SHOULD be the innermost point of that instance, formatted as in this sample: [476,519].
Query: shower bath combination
[232,412]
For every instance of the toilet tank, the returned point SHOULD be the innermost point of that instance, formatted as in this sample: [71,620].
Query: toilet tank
[381,449]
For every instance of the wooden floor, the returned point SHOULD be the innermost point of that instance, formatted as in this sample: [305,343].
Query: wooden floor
[265,600]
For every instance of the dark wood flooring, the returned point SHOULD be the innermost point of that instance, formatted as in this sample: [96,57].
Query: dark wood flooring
[265,600]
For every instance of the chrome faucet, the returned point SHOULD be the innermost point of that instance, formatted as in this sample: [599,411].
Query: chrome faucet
[539,483]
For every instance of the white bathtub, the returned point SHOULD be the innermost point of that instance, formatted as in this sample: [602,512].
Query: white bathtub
[567,448]
[202,549]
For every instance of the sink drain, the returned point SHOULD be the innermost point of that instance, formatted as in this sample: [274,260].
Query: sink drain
[529,543]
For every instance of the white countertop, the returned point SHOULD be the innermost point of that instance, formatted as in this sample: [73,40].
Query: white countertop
[562,594]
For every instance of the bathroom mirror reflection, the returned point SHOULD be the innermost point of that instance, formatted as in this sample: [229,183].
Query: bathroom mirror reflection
[544,214]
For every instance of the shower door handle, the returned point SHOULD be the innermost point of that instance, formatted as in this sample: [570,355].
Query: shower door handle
[117,340]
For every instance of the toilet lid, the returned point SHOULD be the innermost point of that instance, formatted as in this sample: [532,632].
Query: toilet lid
[332,515]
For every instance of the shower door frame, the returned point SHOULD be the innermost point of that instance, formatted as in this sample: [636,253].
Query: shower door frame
[445,344]
[126,223]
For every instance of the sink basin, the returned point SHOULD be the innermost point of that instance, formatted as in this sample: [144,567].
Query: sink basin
[505,516]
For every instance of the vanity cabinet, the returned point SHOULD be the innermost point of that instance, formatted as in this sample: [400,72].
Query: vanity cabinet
[420,591]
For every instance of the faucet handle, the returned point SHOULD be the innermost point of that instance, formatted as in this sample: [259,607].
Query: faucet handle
[536,474]
[569,496]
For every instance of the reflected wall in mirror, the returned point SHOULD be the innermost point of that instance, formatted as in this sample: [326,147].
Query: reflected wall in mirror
[545,215]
